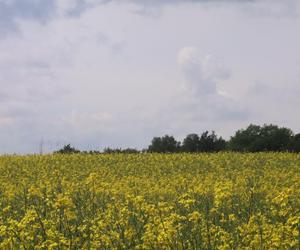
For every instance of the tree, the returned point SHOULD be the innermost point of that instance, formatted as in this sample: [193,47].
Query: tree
[109,150]
[266,138]
[211,142]
[119,150]
[274,138]
[191,143]
[67,149]
[207,142]
[130,151]
[165,144]
[295,144]
[244,139]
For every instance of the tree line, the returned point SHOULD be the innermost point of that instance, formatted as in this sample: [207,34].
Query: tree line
[254,138]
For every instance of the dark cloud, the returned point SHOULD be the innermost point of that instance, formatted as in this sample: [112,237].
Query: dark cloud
[38,10]
[42,11]
[10,11]
[155,2]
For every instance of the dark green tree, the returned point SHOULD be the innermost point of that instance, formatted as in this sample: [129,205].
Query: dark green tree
[266,138]
[207,142]
[120,151]
[210,142]
[273,138]
[244,139]
[109,150]
[191,143]
[67,149]
[165,144]
[295,144]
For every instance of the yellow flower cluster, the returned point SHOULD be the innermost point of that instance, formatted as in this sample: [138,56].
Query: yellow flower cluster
[150,201]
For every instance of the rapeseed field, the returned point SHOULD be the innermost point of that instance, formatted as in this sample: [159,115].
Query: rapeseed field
[150,201]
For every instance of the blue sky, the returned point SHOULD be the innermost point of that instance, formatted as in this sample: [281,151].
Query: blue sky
[116,73]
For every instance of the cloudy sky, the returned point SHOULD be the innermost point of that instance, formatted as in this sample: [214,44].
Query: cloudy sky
[115,73]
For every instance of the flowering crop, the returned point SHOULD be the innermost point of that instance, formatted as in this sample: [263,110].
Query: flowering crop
[150,201]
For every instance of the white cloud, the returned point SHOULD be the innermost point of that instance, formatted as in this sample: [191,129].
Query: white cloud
[201,104]
[202,72]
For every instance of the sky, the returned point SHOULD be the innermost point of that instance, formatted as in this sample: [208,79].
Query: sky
[116,73]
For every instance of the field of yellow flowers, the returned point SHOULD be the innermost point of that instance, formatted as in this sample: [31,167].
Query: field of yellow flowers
[150,201]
